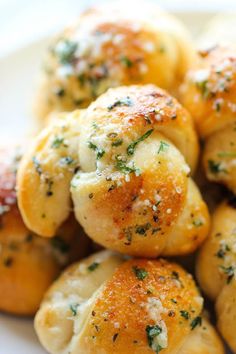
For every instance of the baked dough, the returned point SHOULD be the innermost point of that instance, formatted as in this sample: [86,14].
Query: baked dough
[216,268]
[29,263]
[107,305]
[127,173]
[112,45]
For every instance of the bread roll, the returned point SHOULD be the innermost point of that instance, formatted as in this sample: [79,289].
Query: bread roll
[112,45]
[132,191]
[216,268]
[29,263]
[107,305]
[209,94]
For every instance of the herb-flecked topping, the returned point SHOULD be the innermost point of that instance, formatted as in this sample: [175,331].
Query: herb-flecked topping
[133,145]
[197,321]
[93,266]
[126,101]
[152,333]
[140,273]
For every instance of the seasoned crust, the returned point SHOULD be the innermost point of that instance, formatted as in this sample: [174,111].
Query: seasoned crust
[209,94]
[110,46]
[216,268]
[130,146]
[139,306]
[29,263]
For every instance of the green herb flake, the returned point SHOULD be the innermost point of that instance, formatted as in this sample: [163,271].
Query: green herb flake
[197,321]
[126,101]
[185,314]
[65,161]
[65,50]
[197,223]
[73,308]
[152,333]
[229,271]
[133,145]
[140,273]
[126,62]
[215,167]
[163,147]
[99,151]
[37,165]
[203,87]
[124,168]
[117,142]
[57,142]
[93,266]
[142,229]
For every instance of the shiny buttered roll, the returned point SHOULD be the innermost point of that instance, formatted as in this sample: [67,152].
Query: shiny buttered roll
[112,45]
[209,93]
[104,304]
[216,267]
[125,161]
[29,263]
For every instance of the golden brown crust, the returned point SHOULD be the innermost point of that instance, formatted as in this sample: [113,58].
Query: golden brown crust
[28,263]
[209,94]
[44,175]
[139,306]
[110,46]
[216,268]
[131,176]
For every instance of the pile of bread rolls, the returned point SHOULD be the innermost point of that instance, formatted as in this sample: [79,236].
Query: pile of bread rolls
[122,104]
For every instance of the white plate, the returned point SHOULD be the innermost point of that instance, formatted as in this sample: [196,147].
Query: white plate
[17,72]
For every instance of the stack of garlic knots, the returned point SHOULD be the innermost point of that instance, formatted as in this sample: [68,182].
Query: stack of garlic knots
[123,100]
[125,163]
[112,45]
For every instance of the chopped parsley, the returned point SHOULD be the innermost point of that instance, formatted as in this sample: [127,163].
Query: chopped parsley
[57,142]
[132,146]
[142,229]
[126,61]
[124,168]
[163,147]
[197,321]
[140,273]
[222,251]
[203,87]
[197,222]
[126,101]
[73,308]
[65,50]
[37,165]
[93,266]
[99,151]
[185,314]
[229,271]
[152,333]
[215,167]
[66,161]
[117,142]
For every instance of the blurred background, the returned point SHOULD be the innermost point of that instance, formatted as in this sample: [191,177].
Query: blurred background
[26,20]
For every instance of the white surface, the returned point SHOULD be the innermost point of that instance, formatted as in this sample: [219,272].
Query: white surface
[17,73]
